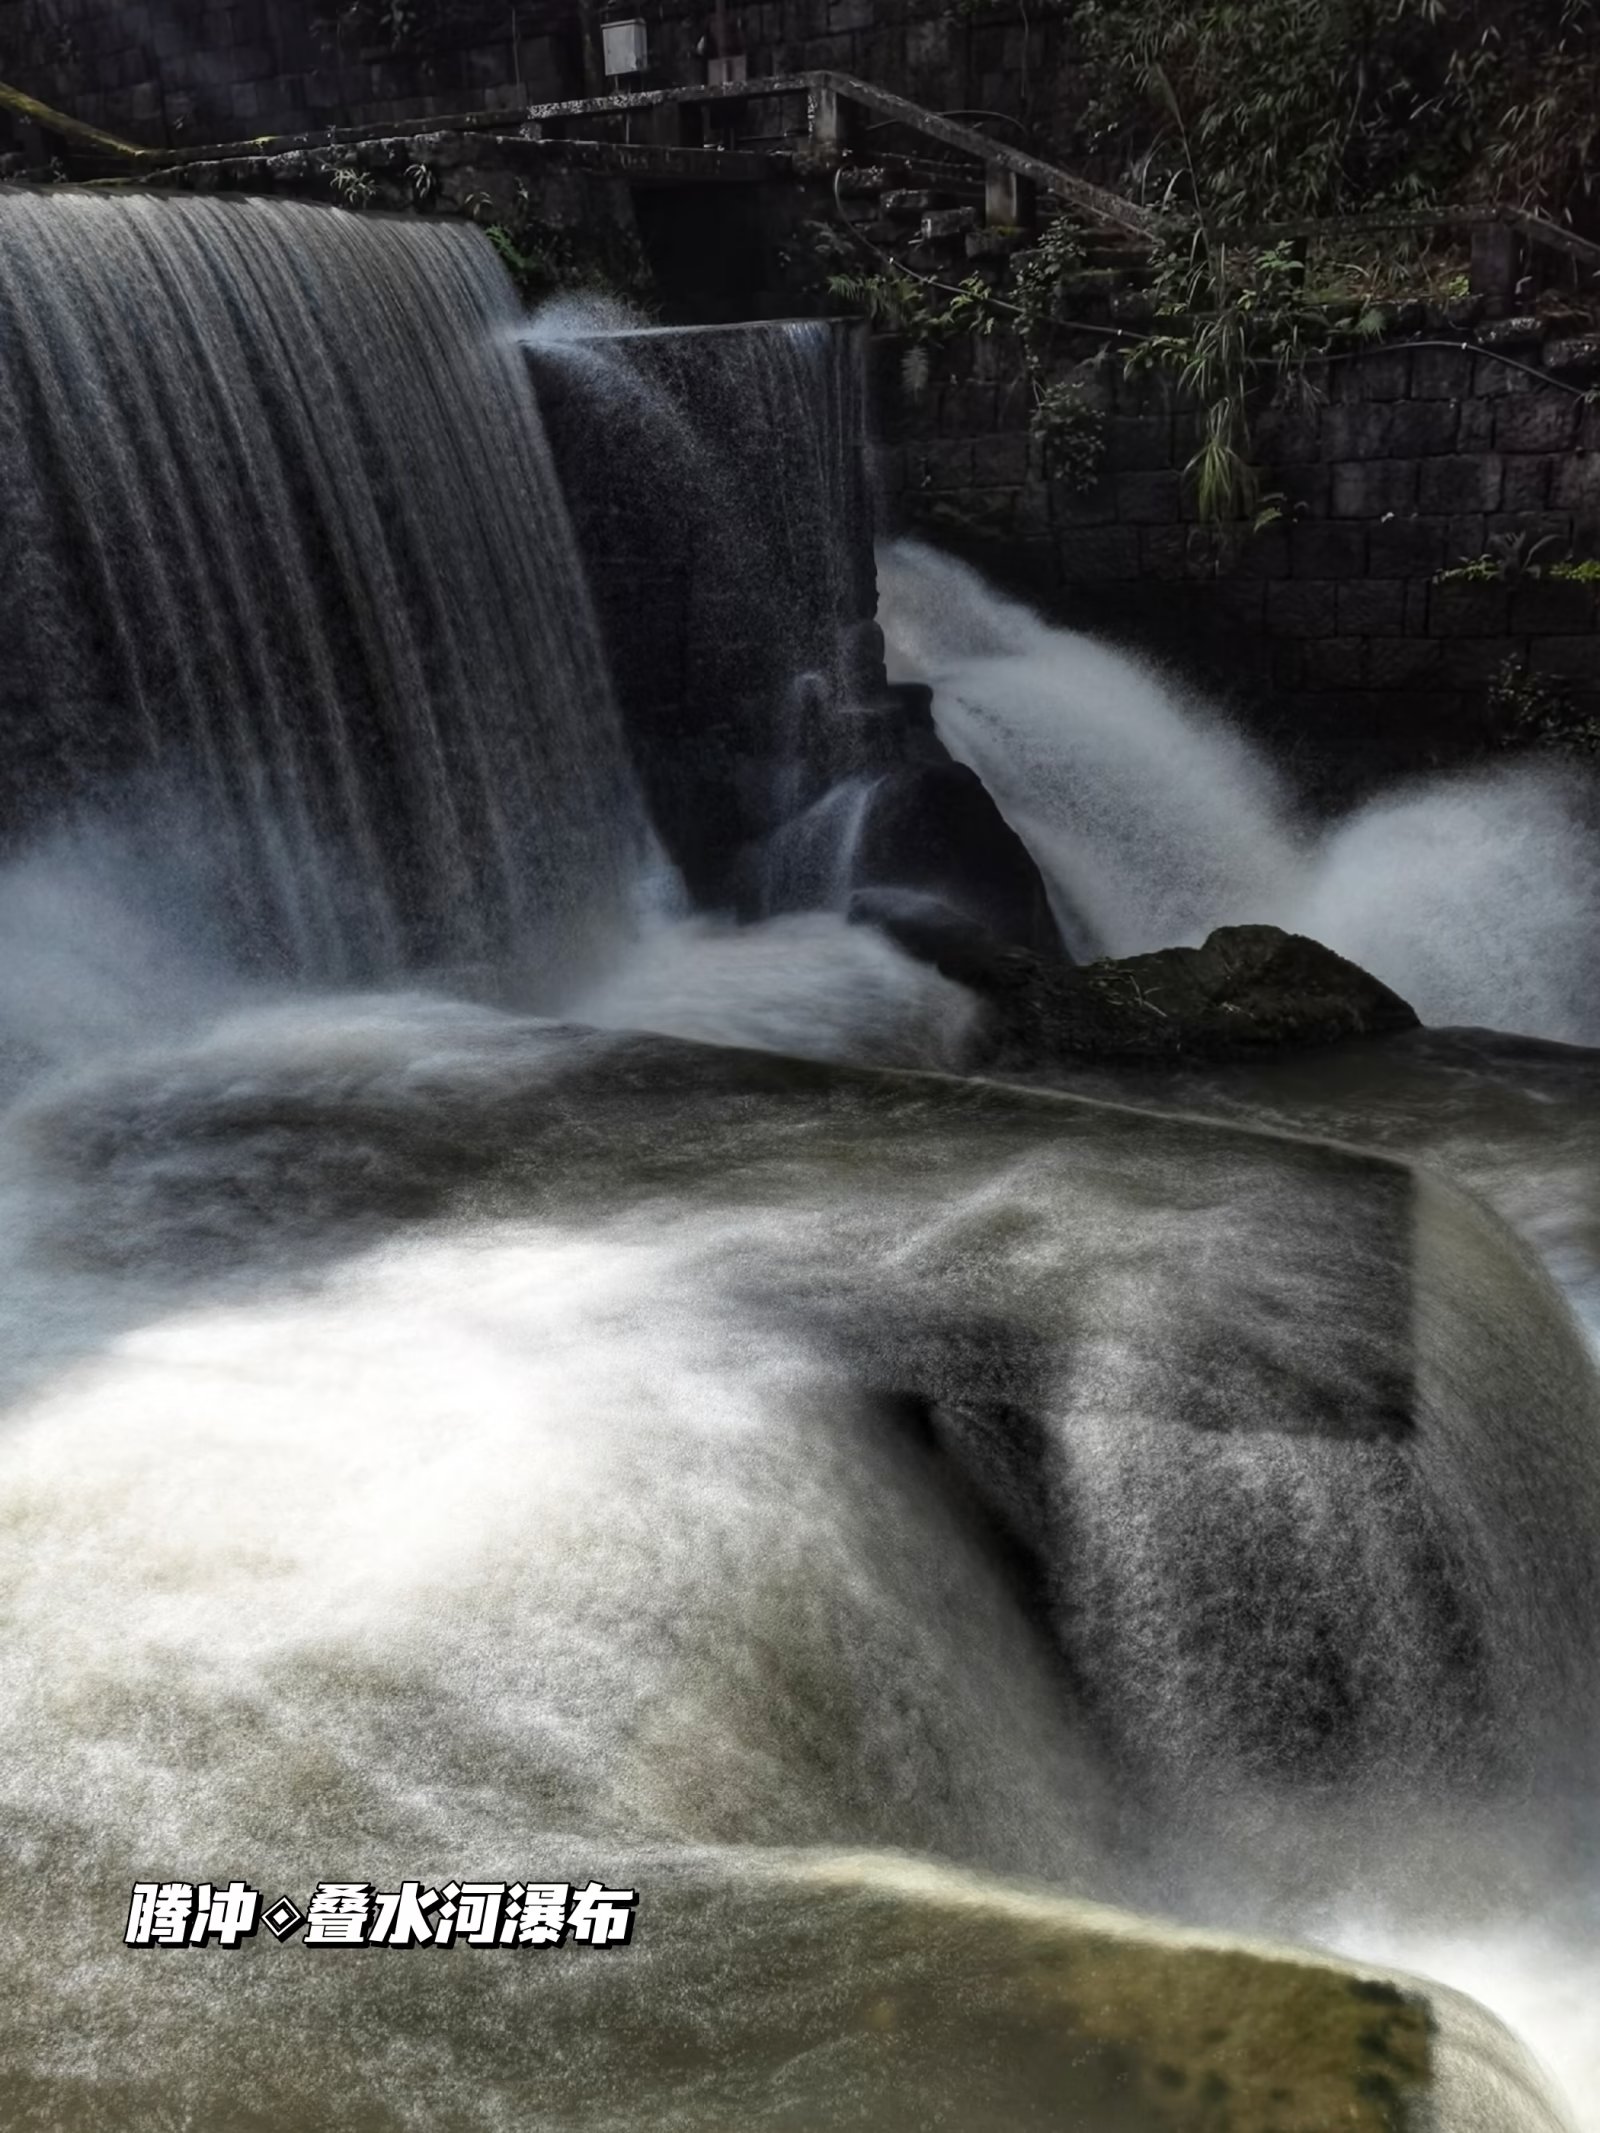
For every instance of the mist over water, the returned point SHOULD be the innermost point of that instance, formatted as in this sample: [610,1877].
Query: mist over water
[1477,896]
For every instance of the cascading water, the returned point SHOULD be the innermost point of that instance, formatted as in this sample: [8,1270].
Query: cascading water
[690,413]
[282,541]
[442,1442]
[721,498]
[1476,897]
[812,861]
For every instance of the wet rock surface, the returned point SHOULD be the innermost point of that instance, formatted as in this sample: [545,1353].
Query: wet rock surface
[1247,989]
[933,829]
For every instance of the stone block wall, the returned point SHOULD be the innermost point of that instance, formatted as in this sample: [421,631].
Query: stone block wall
[180,72]
[1330,626]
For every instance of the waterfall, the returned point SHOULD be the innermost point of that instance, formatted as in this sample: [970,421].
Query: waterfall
[284,552]
[441,1440]
[740,445]
[720,501]
[811,861]
[1476,896]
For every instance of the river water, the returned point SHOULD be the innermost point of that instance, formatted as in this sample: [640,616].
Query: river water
[451,1431]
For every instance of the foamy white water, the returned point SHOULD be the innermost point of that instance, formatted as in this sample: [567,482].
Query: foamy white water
[811,985]
[1545,1986]
[561,1500]
[1476,896]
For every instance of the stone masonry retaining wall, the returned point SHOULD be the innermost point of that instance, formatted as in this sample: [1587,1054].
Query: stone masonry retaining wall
[1328,626]
[175,72]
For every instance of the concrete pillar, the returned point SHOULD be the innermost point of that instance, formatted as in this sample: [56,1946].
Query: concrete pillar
[1496,263]
[833,119]
[1009,200]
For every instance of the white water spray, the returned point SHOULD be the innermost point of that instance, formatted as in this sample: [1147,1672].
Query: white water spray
[1477,897]
[809,985]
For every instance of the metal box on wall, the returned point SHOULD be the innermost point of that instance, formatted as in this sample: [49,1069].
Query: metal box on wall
[625,47]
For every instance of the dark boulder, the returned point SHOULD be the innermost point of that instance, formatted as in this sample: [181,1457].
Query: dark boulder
[1247,989]
[932,827]
[928,928]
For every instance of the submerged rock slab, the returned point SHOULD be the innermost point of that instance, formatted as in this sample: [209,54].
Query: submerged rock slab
[561,1523]
[797,1992]
[1246,989]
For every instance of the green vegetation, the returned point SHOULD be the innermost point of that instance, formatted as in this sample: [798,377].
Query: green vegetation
[1233,327]
[1236,326]
[543,258]
[1232,116]
[1066,424]
[1536,711]
[921,310]
[352,187]
[1069,428]
[1283,108]
[1513,558]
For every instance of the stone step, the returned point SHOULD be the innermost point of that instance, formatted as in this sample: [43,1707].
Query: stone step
[912,203]
[942,222]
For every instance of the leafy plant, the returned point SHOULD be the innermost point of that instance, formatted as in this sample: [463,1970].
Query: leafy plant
[909,304]
[532,265]
[1536,711]
[1319,107]
[1070,429]
[1232,321]
[1522,85]
[1065,423]
[542,257]
[1260,111]
[352,187]
[1513,557]
[1039,280]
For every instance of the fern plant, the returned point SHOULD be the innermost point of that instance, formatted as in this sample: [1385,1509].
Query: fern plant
[352,187]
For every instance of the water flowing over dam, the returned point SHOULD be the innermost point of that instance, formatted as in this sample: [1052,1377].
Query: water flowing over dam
[511,1374]
[282,537]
